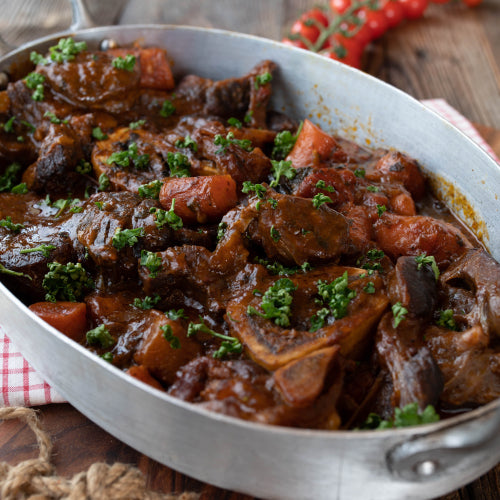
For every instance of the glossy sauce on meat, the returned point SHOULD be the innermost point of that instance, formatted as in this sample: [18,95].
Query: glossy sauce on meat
[222,252]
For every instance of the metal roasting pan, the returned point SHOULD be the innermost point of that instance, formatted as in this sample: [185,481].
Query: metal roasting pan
[268,461]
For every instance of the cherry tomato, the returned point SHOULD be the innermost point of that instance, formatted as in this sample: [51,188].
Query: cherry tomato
[351,44]
[361,33]
[310,33]
[351,59]
[394,12]
[472,3]
[340,6]
[294,43]
[414,8]
[440,1]
[376,21]
[317,15]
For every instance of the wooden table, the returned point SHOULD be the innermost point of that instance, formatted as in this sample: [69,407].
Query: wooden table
[452,53]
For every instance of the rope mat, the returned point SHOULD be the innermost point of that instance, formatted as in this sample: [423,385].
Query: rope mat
[35,479]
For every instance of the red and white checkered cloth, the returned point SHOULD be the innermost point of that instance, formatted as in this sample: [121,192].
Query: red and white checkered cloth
[22,386]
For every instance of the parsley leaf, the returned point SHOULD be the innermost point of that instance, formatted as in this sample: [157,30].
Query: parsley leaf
[229,344]
[169,217]
[187,143]
[399,312]
[9,177]
[136,125]
[84,167]
[53,118]
[321,184]
[284,143]
[360,172]
[100,337]
[4,270]
[126,63]
[369,288]
[123,158]
[7,222]
[44,249]
[20,188]
[275,234]
[423,259]
[37,58]
[34,81]
[151,261]
[98,134]
[169,336]
[167,109]
[127,237]
[282,168]
[407,416]
[221,230]
[151,190]
[225,142]
[276,302]
[263,79]
[66,50]
[381,209]
[320,199]
[258,189]
[280,269]
[66,282]
[373,189]
[178,164]
[174,315]
[234,122]
[104,182]
[446,319]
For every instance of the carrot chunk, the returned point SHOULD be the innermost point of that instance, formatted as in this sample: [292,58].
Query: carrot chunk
[200,199]
[141,373]
[69,318]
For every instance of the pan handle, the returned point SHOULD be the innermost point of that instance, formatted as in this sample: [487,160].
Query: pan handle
[81,16]
[431,456]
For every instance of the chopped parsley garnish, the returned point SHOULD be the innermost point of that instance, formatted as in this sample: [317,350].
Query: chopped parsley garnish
[151,190]
[44,249]
[178,164]
[99,205]
[127,237]
[9,125]
[98,134]
[62,204]
[263,79]
[104,182]
[381,209]
[20,188]
[107,356]
[185,143]
[53,118]
[336,297]
[258,189]
[320,199]
[369,288]
[360,172]
[282,168]
[169,336]
[175,315]
[151,261]
[407,416]
[28,125]
[399,312]
[169,217]
[225,142]
[276,302]
[34,81]
[273,202]
[100,337]
[321,184]
[234,122]
[123,158]
[83,167]
[373,189]
[275,234]
[280,269]
[229,344]
[284,143]
[126,63]
[37,58]
[423,259]
[66,50]
[7,222]
[4,270]
[66,282]
[167,109]
[446,320]
[9,177]
[136,125]
[221,230]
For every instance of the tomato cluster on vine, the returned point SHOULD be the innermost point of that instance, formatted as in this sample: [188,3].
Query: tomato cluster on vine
[343,31]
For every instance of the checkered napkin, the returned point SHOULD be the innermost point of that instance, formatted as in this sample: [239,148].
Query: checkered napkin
[20,385]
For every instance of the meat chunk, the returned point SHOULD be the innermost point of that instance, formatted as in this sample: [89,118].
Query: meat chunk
[293,230]
[416,376]
[471,369]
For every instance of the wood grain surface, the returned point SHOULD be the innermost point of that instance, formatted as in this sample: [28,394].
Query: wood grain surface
[452,53]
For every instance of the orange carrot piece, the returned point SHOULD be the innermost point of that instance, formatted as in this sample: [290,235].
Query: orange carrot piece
[313,147]
[69,318]
[141,373]
[154,66]
[200,199]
